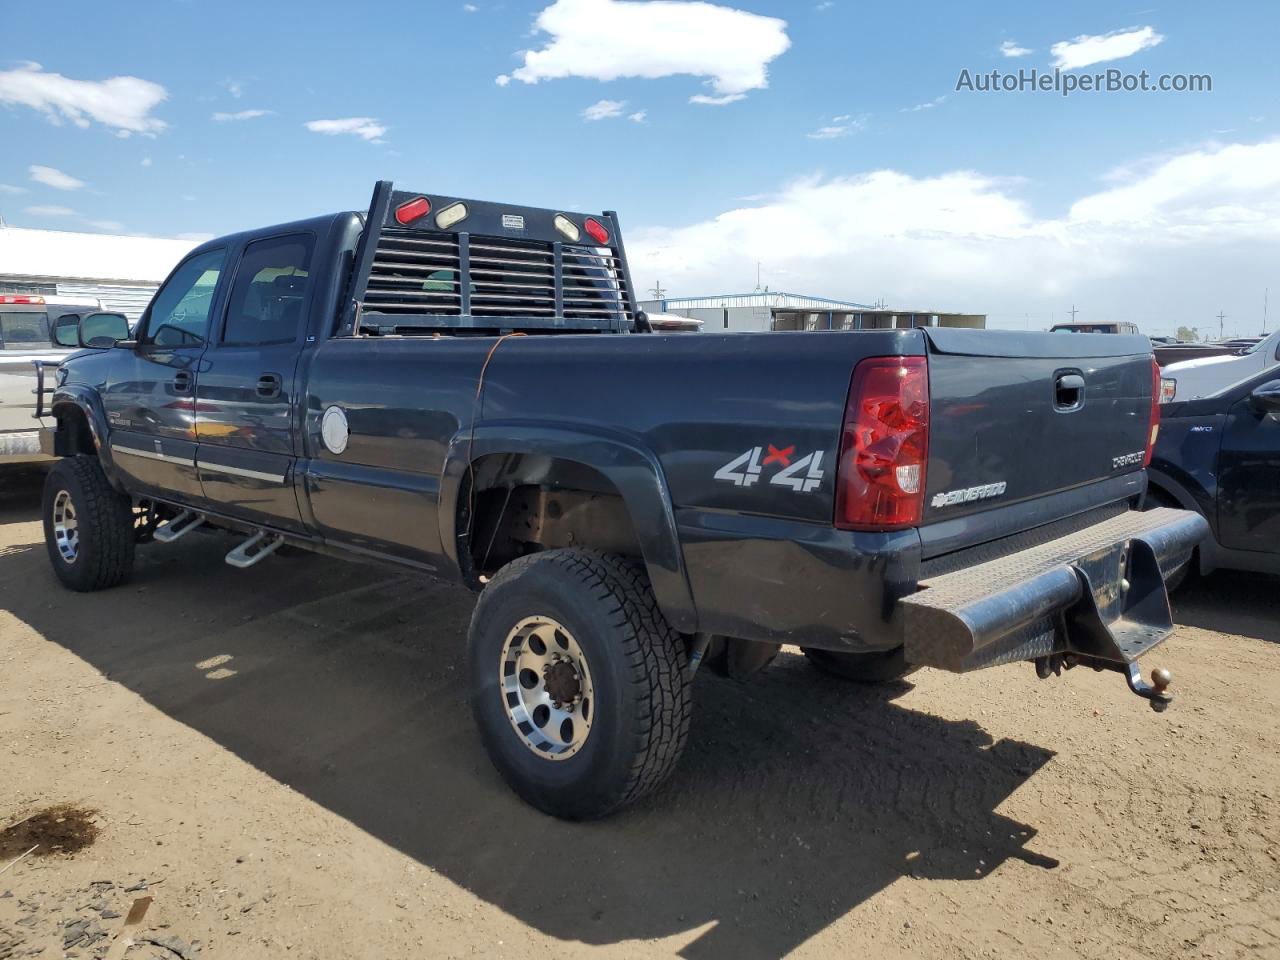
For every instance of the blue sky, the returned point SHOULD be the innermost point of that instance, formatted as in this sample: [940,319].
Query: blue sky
[818,167]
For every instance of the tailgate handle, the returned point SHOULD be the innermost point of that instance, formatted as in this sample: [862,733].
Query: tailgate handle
[1068,392]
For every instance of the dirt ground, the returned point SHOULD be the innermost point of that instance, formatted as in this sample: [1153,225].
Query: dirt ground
[283,760]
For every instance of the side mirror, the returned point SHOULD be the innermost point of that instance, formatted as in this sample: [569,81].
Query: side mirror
[103,330]
[1266,396]
[66,330]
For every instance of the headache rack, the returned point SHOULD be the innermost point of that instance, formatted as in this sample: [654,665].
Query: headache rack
[427,263]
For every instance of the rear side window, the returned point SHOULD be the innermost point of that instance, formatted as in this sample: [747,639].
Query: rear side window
[24,331]
[268,299]
[180,311]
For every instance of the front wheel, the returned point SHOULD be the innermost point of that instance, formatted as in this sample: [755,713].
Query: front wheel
[88,526]
[577,682]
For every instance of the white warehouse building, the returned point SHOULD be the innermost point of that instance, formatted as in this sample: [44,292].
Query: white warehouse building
[776,310]
[122,272]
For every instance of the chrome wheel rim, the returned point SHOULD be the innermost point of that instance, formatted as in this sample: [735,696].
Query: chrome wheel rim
[546,688]
[66,530]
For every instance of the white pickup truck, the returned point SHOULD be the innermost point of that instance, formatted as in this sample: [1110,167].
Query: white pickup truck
[1192,379]
[32,328]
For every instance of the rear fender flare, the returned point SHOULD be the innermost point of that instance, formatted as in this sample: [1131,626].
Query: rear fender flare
[629,466]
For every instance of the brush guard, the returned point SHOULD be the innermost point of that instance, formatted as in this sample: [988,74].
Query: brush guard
[1095,597]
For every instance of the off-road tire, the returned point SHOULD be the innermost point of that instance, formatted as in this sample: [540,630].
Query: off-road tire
[880,667]
[642,698]
[104,524]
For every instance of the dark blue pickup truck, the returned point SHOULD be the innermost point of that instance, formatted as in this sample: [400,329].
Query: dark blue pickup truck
[467,389]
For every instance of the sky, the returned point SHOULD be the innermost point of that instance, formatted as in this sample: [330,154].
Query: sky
[842,149]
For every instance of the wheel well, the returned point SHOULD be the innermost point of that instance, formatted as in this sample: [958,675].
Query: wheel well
[523,503]
[74,434]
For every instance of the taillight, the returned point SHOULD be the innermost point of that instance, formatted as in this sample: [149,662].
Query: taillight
[880,484]
[1168,389]
[596,231]
[412,210]
[1154,429]
[22,298]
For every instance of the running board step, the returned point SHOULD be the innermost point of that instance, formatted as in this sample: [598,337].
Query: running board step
[253,549]
[178,527]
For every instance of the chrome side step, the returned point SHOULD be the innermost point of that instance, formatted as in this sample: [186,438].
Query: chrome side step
[178,527]
[254,549]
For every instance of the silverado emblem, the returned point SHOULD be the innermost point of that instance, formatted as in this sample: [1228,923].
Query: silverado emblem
[968,494]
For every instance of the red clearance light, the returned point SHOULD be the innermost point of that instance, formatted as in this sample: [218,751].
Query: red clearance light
[411,210]
[880,482]
[1154,430]
[595,229]
[10,298]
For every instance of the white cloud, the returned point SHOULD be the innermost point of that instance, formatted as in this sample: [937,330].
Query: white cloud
[470,7]
[234,87]
[122,103]
[1011,49]
[837,127]
[705,100]
[1162,246]
[146,161]
[240,115]
[52,177]
[51,211]
[639,116]
[195,237]
[927,105]
[112,226]
[366,128]
[824,5]
[1085,50]
[9,188]
[608,39]
[604,109]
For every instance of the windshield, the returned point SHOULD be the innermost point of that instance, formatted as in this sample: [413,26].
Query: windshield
[23,331]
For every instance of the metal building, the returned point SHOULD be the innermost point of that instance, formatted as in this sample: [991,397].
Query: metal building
[769,310]
[122,272]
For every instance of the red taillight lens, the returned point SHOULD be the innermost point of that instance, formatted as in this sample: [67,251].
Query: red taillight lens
[596,231]
[1154,429]
[23,298]
[412,210]
[880,485]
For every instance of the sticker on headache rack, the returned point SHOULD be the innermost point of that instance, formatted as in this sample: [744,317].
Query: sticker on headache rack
[803,475]
[512,221]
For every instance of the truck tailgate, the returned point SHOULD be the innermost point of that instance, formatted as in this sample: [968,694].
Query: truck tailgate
[1017,416]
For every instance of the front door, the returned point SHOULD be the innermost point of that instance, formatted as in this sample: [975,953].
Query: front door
[150,402]
[1249,476]
[246,401]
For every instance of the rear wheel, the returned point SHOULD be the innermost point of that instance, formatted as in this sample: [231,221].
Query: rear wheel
[879,667]
[577,682]
[88,526]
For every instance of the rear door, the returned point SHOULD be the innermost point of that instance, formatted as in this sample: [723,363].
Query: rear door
[1249,475]
[150,400]
[1016,417]
[247,403]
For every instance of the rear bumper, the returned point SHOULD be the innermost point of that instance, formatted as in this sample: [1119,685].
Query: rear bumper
[1097,592]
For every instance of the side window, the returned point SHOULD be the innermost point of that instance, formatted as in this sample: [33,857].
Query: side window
[180,311]
[266,304]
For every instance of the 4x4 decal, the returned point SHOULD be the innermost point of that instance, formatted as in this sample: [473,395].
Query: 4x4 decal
[803,476]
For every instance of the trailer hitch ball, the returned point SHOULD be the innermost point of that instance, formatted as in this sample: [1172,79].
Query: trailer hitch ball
[1157,692]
